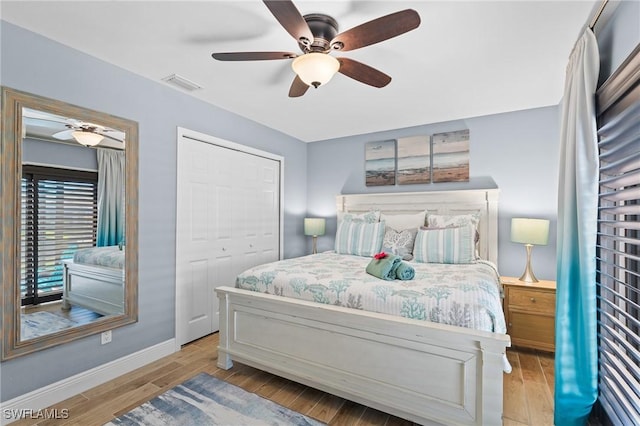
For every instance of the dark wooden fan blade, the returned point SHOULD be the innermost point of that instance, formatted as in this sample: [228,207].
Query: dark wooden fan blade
[252,56]
[378,30]
[298,88]
[363,73]
[290,18]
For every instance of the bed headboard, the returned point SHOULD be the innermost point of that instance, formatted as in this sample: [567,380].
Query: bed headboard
[465,201]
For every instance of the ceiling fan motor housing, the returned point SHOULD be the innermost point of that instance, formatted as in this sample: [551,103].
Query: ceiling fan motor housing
[324,28]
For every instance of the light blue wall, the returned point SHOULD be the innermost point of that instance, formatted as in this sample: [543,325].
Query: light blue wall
[618,36]
[38,65]
[516,151]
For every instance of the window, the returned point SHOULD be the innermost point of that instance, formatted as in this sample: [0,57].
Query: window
[618,102]
[59,216]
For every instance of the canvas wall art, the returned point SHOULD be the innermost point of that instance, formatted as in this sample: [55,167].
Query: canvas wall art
[380,163]
[414,160]
[450,153]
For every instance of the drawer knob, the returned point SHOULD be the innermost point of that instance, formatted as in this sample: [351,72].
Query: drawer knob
[510,324]
[533,300]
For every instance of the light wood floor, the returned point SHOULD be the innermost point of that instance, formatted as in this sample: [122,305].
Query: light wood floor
[528,390]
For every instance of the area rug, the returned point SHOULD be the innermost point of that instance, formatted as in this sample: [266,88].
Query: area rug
[205,400]
[40,323]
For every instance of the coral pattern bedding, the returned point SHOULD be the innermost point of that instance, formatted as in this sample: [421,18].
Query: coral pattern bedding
[462,295]
[109,256]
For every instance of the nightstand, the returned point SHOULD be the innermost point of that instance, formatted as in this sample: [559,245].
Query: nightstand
[529,310]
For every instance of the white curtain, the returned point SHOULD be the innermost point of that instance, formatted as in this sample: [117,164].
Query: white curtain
[576,368]
[111,190]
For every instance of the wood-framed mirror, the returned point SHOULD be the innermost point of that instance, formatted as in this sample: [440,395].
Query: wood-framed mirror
[69,227]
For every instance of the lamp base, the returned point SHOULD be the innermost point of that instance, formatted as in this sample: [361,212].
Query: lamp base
[527,275]
[315,244]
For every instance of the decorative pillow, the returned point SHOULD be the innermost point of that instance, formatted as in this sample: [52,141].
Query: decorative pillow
[445,245]
[448,221]
[368,217]
[399,222]
[359,238]
[399,242]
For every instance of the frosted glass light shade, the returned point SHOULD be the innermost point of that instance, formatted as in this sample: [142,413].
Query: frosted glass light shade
[314,226]
[87,138]
[530,231]
[315,68]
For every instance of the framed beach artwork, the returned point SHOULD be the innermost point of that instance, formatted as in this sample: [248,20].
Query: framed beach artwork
[380,163]
[414,160]
[450,153]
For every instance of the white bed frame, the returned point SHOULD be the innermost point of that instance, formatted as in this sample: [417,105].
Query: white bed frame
[425,372]
[97,288]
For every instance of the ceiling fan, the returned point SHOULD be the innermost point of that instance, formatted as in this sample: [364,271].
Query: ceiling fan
[88,134]
[45,124]
[317,35]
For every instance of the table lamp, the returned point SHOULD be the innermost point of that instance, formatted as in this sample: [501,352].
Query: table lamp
[314,227]
[529,232]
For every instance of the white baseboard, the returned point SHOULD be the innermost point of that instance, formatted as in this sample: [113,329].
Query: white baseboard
[59,391]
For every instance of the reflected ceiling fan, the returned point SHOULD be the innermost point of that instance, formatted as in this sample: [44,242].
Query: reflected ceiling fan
[317,35]
[42,124]
[89,134]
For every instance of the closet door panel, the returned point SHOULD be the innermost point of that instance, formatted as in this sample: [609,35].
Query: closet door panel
[194,257]
[199,309]
[228,221]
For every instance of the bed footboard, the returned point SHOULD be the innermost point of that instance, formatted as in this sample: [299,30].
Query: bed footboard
[421,371]
[96,288]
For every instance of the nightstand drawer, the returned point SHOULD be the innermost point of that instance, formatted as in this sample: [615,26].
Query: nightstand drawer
[532,300]
[532,330]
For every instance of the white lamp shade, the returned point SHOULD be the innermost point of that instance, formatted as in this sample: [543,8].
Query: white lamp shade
[314,226]
[530,231]
[87,138]
[315,68]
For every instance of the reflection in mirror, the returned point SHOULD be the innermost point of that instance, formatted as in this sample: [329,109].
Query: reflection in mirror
[72,223]
[71,180]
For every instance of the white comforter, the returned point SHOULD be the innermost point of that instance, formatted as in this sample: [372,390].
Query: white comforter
[462,295]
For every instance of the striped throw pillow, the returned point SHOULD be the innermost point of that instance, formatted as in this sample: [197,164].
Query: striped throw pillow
[359,238]
[445,245]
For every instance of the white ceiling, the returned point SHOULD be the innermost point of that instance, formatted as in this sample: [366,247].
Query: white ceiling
[467,58]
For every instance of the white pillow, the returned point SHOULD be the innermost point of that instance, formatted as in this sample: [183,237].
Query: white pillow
[400,222]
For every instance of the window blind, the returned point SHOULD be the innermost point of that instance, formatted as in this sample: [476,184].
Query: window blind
[618,250]
[59,216]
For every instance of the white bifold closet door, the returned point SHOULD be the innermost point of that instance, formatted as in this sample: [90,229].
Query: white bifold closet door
[228,220]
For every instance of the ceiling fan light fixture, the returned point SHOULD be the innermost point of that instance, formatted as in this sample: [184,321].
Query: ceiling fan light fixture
[87,138]
[315,68]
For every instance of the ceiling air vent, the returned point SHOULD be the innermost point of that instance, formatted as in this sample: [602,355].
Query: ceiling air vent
[182,82]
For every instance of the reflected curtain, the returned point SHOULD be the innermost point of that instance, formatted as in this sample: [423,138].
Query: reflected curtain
[576,360]
[111,190]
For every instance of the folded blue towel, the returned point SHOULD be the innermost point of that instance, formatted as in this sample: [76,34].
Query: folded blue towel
[405,271]
[384,268]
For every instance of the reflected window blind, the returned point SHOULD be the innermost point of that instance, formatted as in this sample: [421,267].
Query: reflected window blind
[59,216]
[618,105]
